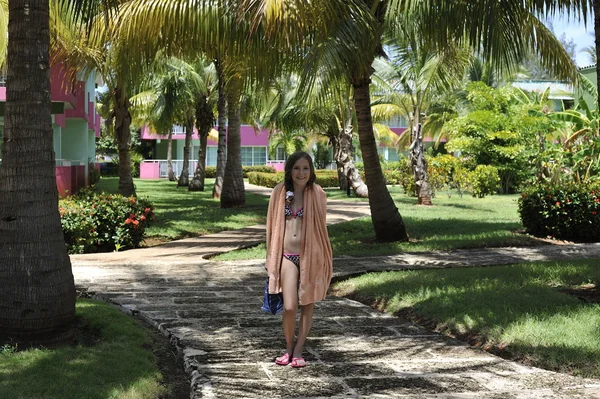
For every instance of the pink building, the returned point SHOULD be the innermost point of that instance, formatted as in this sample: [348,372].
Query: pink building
[253,147]
[75,126]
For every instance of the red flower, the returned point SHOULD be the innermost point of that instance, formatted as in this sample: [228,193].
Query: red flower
[147,210]
[127,221]
[593,212]
[135,223]
[142,218]
[557,203]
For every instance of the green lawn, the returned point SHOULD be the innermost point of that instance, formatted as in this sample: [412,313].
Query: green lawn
[180,213]
[517,308]
[452,222]
[117,363]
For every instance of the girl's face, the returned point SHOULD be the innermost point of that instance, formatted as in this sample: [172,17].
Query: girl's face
[300,173]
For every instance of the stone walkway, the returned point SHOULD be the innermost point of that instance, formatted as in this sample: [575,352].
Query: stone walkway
[210,311]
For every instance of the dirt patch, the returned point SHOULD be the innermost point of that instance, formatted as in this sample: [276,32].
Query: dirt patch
[589,293]
[170,364]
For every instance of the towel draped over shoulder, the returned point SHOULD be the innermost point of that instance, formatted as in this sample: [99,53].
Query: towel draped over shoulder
[316,264]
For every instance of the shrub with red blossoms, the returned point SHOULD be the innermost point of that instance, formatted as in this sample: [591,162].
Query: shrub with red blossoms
[103,222]
[567,211]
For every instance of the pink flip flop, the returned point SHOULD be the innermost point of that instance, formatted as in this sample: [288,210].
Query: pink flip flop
[283,360]
[298,362]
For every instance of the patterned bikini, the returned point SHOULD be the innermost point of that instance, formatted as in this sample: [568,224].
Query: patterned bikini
[294,258]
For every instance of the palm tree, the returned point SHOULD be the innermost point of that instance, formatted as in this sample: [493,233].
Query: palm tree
[37,304]
[206,101]
[413,79]
[349,47]
[192,27]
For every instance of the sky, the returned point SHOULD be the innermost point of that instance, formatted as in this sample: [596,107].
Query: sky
[578,32]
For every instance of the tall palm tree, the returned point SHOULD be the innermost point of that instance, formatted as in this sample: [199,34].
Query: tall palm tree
[210,27]
[349,48]
[205,103]
[37,303]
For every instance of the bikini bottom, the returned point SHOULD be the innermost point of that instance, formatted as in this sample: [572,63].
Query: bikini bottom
[294,258]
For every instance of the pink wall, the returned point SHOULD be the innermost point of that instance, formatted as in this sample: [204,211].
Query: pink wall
[149,170]
[69,179]
[248,136]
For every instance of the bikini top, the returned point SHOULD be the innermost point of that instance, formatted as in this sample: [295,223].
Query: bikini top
[289,212]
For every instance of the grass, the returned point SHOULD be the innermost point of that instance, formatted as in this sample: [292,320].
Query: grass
[181,214]
[517,309]
[117,364]
[452,222]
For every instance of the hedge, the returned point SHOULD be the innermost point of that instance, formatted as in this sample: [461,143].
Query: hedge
[325,178]
[567,212]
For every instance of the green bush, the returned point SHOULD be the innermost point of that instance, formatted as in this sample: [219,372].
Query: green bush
[258,168]
[568,212]
[484,180]
[325,178]
[103,222]
[210,172]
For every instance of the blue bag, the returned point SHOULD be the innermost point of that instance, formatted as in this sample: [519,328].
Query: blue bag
[272,303]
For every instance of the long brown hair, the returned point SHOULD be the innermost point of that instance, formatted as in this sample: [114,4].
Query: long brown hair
[289,165]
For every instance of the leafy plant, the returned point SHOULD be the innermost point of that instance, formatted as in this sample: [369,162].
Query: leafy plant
[570,212]
[103,222]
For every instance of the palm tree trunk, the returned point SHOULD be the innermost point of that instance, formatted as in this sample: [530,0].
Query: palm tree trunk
[204,122]
[184,177]
[418,162]
[222,121]
[345,163]
[37,304]
[387,222]
[234,194]
[123,136]
[170,173]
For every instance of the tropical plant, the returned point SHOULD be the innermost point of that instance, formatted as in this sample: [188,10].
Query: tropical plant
[414,78]
[348,36]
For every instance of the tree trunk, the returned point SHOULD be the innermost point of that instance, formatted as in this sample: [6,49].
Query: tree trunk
[170,173]
[184,177]
[222,121]
[234,194]
[37,300]
[204,122]
[123,136]
[418,161]
[345,163]
[387,222]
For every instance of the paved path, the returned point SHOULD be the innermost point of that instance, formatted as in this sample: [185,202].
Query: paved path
[210,311]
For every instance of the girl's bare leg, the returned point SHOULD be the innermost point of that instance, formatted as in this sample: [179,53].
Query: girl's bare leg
[289,285]
[306,318]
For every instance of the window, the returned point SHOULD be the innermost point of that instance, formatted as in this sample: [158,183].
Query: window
[246,156]
[260,156]
[211,156]
[178,129]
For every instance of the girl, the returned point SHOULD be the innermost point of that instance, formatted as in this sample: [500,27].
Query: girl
[299,259]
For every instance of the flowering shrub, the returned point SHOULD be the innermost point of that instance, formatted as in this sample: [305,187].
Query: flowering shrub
[570,212]
[103,222]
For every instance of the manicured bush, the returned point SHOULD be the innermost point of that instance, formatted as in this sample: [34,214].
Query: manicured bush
[258,168]
[484,180]
[325,178]
[265,179]
[568,212]
[103,222]
[210,172]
